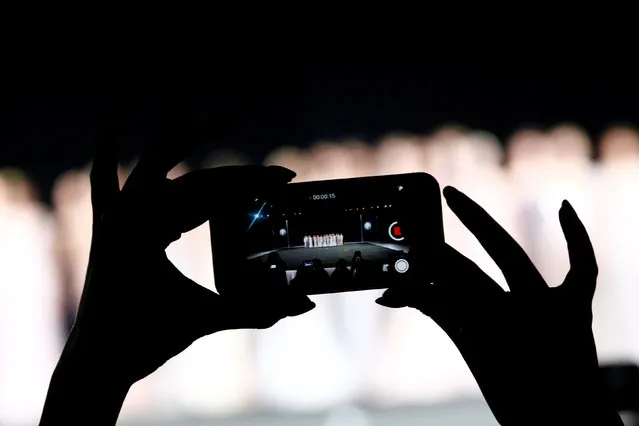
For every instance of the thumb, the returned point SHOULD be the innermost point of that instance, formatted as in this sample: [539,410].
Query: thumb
[393,298]
[297,303]
[253,311]
[423,296]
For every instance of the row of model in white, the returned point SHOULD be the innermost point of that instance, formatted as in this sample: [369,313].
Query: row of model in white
[324,240]
[348,348]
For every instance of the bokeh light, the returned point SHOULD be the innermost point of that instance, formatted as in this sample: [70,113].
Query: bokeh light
[348,350]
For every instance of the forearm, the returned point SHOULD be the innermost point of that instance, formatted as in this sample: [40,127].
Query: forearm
[584,415]
[574,406]
[579,406]
[79,394]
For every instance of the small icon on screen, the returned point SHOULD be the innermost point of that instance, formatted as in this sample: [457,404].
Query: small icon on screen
[401,266]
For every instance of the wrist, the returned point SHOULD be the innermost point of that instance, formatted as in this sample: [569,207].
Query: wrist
[87,363]
[83,392]
[553,403]
[573,405]
[84,373]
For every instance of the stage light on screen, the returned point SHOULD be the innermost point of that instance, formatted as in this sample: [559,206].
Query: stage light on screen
[367,226]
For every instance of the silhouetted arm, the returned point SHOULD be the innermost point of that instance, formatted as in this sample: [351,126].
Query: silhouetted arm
[137,309]
[80,393]
[531,349]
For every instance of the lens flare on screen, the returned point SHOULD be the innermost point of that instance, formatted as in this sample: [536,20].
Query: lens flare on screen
[256,216]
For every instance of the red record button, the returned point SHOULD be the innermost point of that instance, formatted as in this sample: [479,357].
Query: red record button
[395,232]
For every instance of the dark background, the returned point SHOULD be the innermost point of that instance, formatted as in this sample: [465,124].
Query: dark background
[52,105]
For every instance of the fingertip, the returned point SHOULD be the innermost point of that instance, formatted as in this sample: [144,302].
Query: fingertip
[451,194]
[449,191]
[567,211]
[382,302]
[389,303]
[308,302]
[302,308]
[281,173]
[391,299]
[297,302]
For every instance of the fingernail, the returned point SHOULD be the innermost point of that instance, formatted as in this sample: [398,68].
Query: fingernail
[308,302]
[282,173]
[389,303]
[390,299]
[449,191]
[300,299]
[381,301]
[302,308]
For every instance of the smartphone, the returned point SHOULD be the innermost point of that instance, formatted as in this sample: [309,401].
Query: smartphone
[328,236]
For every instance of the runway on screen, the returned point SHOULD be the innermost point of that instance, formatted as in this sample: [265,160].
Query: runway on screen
[330,255]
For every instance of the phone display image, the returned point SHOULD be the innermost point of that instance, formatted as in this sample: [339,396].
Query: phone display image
[332,236]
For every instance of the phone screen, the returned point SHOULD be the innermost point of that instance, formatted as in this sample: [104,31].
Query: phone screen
[332,236]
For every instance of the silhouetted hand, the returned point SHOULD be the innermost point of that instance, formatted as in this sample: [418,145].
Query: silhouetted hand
[531,349]
[137,310]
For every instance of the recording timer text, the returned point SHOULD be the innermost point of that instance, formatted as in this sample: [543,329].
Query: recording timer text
[322,197]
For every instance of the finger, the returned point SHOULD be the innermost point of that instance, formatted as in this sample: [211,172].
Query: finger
[203,312]
[583,263]
[252,311]
[422,296]
[155,164]
[105,186]
[224,191]
[450,270]
[297,303]
[394,298]
[453,269]
[223,196]
[170,145]
[518,269]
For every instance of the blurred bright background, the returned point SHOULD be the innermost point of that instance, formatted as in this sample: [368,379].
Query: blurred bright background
[348,350]
[349,361]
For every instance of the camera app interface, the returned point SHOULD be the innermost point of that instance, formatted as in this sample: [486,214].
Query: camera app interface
[330,236]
